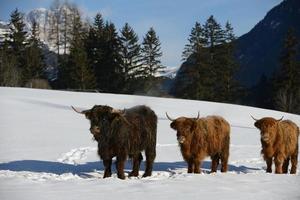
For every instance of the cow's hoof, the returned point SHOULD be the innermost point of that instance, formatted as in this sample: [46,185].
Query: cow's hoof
[121,176]
[107,175]
[146,174]
[135,174]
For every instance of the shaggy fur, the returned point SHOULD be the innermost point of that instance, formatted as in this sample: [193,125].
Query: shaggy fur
[124,133]
[198,138]
[279,140]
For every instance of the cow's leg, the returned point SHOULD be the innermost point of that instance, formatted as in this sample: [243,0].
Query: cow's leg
[150,153]
[278,164]
[214,163]
[224,160]
[120,166]
[107,165]
[190,165]
[197,164]
[269,165]
[136,162]
[294,161]
[285,166]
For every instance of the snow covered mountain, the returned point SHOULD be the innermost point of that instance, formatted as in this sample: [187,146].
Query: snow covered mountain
[38,15]
[47,152]
[41,17]
[169,72]
[4,30]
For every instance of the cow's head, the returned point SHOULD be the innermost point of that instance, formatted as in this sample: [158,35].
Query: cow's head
[184,127]
[268,128]
[100,118]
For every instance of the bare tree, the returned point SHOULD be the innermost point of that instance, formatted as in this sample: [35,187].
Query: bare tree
[60,23]
[287,101]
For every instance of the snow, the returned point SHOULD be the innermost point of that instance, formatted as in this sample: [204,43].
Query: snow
[274,24]
[47,152]
[169,72]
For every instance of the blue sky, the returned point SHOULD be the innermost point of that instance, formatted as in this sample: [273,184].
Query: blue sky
[172,19]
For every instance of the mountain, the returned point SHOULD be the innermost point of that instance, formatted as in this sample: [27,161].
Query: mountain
[4,30]
[258,51]
[41,17]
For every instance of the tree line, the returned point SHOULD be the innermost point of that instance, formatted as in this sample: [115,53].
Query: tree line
[281,91]
[89,56]
[20,57]
[209,71]
[96,56]
[210,64]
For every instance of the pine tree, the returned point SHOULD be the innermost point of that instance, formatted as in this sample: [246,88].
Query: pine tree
[94,44]
[287,80]
[214,33]
[196,42]
[209,55]
[18,33]
[112,79]
[17,41]
[262,93]
[103,50]
[34,62]
[227,87]
[81,74]
[130,55]
[10,74]
[208,61]
[194,53]
[151,52]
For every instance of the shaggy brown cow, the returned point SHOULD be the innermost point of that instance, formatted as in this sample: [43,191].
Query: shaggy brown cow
[198,138]
[279,141]
[124,133]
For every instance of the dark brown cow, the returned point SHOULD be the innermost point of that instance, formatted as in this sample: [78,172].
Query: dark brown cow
[279,141]
[198,138]
[124,133]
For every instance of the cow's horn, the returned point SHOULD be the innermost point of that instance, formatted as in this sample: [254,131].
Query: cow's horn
[279,119]
[254,118]
[116,111]
[80,112]
[169,117]
[198,115]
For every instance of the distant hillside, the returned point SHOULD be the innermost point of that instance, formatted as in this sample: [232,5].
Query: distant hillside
[258,51]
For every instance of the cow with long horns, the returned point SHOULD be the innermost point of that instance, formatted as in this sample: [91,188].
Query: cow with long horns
[202,137]
[123,133]
[279,141]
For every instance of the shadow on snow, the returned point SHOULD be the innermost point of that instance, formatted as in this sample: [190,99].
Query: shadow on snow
[82,170]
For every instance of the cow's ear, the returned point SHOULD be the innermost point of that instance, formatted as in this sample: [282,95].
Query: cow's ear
[112,116]
[193,124]
[88,115]
[257,124]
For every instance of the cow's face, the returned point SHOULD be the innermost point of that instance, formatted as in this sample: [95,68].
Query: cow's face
[184,127]
[99,117]
[267,127]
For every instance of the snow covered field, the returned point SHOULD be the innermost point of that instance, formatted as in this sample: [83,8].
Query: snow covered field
[47,152]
